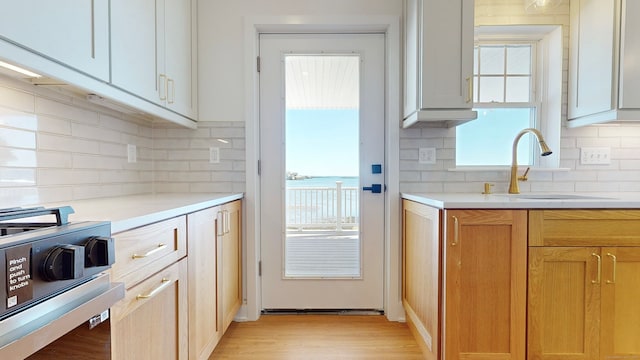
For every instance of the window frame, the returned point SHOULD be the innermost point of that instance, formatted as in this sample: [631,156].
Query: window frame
[546,85]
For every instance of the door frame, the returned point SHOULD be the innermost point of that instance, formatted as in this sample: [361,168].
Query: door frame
[390,26]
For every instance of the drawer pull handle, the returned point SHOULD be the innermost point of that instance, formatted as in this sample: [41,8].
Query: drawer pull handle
[455,231]
[597,281]
[160,246]
[615,264]
[163,284]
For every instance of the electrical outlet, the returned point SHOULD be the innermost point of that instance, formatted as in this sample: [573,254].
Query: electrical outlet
[595,155]
[427,156]
[132,153]
[214,155]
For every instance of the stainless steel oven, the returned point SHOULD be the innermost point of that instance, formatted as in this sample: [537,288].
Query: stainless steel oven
[54,283]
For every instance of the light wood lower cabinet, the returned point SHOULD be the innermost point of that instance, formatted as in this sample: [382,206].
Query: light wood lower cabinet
[215,276]
[464,281]
[231,258]
[421,274]
[485,284]
[583,298]
[151,321]
[465,277]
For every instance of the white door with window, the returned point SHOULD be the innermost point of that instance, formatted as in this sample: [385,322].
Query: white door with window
[322,170]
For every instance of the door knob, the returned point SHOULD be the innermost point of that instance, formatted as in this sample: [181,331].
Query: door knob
[374,188]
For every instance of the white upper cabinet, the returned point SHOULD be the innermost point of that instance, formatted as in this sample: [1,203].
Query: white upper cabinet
[70,32]
[152,51]
[604,76]
[438,74]
[180,58]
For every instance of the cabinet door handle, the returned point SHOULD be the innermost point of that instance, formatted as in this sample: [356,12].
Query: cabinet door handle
[163,284]
[171,89]
[455,231]
[220,223]
[93,29]
[227,222]
[159,247]
[597,281]
[614,259]
[162,85]
[469,90]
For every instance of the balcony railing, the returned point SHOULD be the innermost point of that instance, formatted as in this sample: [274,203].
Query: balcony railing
[326,208]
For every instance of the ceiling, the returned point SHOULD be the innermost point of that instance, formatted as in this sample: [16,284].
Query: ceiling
[322,82]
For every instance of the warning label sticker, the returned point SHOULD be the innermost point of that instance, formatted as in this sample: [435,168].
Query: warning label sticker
[18,281]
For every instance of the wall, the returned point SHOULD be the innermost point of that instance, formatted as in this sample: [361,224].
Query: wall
[55,147]
[623,174]
[221,44]
[181,158]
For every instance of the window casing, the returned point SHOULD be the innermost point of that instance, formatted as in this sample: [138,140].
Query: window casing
[517,84]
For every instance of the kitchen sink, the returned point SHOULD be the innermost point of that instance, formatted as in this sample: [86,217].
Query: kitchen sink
[553,196]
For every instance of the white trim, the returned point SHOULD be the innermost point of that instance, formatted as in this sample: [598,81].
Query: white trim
[547,73]
[390,25]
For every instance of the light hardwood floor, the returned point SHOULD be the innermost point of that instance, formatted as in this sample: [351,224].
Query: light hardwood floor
[285,337]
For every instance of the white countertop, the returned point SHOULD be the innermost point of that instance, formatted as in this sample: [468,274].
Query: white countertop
[621,200]
[128,212]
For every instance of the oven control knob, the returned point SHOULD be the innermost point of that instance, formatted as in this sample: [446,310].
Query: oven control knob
[63,262]
[99,251]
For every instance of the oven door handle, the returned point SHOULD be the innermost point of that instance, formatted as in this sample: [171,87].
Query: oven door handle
[26,332]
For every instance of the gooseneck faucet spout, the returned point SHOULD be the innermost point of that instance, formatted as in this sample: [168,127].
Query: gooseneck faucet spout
[544,150]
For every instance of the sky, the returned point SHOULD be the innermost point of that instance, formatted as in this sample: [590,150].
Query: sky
[322,142]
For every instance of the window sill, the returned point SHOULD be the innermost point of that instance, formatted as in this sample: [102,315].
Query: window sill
[505,168]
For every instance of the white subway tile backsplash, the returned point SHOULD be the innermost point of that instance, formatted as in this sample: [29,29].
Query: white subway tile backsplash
[17,196]
[119,125]
[52,159]
[97,162]
[18,138]
[17,177]
[18,120]
[630,165]
[53,125]
[17,99]
[18,157]
[58,109]
[84,131]
[166,187]
[56,147]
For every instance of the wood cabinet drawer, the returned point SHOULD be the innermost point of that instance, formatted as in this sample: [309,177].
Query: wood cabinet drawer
[151,321]
[146,250]
[584,227]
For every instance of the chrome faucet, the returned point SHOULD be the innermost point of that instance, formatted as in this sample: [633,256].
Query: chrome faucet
[544,149]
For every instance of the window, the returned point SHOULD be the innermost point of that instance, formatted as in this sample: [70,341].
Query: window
[513,79]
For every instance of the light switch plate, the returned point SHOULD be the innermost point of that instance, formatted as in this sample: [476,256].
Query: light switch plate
[427,156]
[214,155]
[132,153]
[595,156]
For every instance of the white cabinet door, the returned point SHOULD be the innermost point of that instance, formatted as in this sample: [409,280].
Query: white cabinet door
[71,32]
[412,58]
[178,56]
[629,92]
[591,57]
[447,55]
[137,49]
[438,74]
[152,51]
